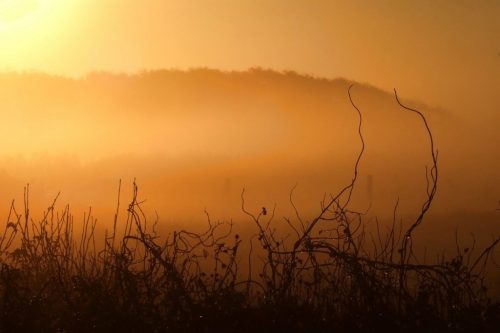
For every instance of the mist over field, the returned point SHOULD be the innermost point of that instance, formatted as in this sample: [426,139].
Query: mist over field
[193,140]
[249,166]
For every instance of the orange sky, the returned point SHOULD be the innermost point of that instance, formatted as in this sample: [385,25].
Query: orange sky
[443,52]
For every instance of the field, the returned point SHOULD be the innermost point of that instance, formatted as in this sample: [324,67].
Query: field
[330,272]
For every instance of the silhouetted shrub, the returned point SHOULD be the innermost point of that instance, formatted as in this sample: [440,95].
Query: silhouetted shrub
[325,277]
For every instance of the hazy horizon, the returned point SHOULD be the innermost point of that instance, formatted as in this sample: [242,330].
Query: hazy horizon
[194,139]
[249,165]
[442,52]
[200,99]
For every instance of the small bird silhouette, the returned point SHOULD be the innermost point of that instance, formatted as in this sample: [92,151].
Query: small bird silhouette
[264,211]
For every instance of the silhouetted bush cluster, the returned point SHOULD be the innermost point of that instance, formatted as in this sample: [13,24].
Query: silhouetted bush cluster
[327,275]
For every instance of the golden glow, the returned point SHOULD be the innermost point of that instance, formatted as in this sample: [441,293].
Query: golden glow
[442,53]
[11,10]
[382,42]
[25,30]
[19,14]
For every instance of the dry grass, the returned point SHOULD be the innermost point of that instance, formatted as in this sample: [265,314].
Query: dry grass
[327,274]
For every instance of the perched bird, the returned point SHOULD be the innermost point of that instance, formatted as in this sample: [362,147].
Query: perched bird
[264,211]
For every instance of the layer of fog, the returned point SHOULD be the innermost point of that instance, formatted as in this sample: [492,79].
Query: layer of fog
[193,140]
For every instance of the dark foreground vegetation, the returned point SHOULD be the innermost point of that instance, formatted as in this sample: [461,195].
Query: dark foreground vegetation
[328,274]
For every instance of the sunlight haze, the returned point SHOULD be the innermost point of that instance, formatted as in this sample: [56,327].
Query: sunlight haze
[249,166]
[199,99]
[434,51]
